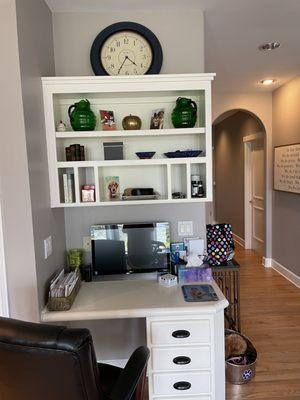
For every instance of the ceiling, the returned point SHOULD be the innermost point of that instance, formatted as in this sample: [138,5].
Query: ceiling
[233,31]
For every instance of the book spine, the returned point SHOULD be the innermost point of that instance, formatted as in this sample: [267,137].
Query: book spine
[70,188]
[77,152]
[82,156]
[66,191]
[73,152]
[68,154]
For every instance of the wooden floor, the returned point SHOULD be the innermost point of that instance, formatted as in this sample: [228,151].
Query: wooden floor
[270,316]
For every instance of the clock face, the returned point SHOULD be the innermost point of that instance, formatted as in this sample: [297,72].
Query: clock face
[126,53]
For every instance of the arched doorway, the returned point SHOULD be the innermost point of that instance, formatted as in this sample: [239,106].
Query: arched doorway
[239,159]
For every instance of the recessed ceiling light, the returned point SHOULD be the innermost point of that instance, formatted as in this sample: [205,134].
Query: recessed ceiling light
[269,46]
[267,81]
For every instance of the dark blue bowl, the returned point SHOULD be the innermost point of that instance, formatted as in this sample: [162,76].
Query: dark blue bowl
[145,154]
[183,154]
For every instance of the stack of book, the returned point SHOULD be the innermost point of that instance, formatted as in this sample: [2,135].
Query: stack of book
[69,190]
[75,152]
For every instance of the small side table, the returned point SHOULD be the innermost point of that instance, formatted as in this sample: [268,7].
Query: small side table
[227,278]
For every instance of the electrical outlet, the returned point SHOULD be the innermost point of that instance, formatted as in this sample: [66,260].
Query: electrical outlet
[48,247]
[185,228]
[86,243]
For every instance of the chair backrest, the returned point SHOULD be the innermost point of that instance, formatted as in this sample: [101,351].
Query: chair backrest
[131,382]
[46,362]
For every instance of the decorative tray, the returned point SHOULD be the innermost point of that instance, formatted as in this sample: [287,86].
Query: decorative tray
[183,154]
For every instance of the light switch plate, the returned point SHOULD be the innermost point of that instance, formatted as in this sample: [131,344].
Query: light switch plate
[185,228]
[48,247]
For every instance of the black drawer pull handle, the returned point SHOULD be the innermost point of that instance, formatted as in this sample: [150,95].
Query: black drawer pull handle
[181,360]
[182,385]
[181,334]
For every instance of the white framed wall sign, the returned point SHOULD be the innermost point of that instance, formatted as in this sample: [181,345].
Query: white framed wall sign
[287,168]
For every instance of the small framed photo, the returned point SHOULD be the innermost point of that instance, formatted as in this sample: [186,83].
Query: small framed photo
[112,188]
[107,120]
[157,119]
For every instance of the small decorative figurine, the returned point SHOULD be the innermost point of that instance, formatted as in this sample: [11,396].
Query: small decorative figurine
[131,122]
[61,127]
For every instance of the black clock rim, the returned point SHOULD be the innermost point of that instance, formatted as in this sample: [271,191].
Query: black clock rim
[157,54]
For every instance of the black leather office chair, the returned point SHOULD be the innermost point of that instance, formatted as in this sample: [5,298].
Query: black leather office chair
[44,362]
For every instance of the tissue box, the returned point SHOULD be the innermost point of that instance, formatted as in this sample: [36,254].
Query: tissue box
[194,274]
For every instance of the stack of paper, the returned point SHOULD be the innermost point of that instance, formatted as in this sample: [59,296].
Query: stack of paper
[63,284]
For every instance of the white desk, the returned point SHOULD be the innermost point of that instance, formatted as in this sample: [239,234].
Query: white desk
[167,316]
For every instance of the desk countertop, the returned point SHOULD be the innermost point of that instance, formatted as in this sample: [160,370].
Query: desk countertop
[131,299]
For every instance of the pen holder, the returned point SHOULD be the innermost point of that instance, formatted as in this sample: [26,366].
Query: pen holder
[64,303]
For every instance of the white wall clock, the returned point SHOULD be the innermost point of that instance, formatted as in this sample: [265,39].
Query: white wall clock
[126,48]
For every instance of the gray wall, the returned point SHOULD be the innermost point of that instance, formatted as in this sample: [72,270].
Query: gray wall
[14,180]
[286,206]
[181,33]
[79,221]
[34,22]
[229,168]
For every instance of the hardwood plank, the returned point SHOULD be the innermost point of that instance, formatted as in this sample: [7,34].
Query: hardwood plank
[270,317]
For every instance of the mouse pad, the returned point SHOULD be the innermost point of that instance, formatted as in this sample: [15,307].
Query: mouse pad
[199,293]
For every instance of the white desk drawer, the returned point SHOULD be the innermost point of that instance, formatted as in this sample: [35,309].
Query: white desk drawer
[181,383]
[184,397]
[180,332]
[180,358]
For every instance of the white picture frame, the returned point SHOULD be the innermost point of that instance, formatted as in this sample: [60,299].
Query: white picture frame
[287,168]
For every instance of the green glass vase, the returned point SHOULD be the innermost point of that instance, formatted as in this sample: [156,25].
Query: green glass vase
[81,116]
[184,114]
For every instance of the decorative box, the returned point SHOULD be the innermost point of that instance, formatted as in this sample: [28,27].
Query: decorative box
[194,274]
[88,193]
[113,150]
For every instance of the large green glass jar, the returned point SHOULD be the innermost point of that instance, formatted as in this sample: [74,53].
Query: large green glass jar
[184,114]
[81,116]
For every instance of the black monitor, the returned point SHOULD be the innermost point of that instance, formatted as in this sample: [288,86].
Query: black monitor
[126,248]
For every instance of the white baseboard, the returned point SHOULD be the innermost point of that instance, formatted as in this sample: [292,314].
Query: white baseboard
[289,275]
[239,240]
[267,262]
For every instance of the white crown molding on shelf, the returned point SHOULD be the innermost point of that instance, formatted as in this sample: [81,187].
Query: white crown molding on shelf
[112,163]
[123,133]
[71,80]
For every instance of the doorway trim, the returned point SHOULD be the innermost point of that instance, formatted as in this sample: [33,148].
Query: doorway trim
[4,305]
[248,187]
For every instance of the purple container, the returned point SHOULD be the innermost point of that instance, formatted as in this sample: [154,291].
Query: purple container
[194,274]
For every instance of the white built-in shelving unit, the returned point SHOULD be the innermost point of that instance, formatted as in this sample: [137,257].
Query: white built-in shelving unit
[136,95]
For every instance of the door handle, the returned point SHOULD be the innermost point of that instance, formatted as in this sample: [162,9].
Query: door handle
[182,385]
[181,360]
[181,334]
